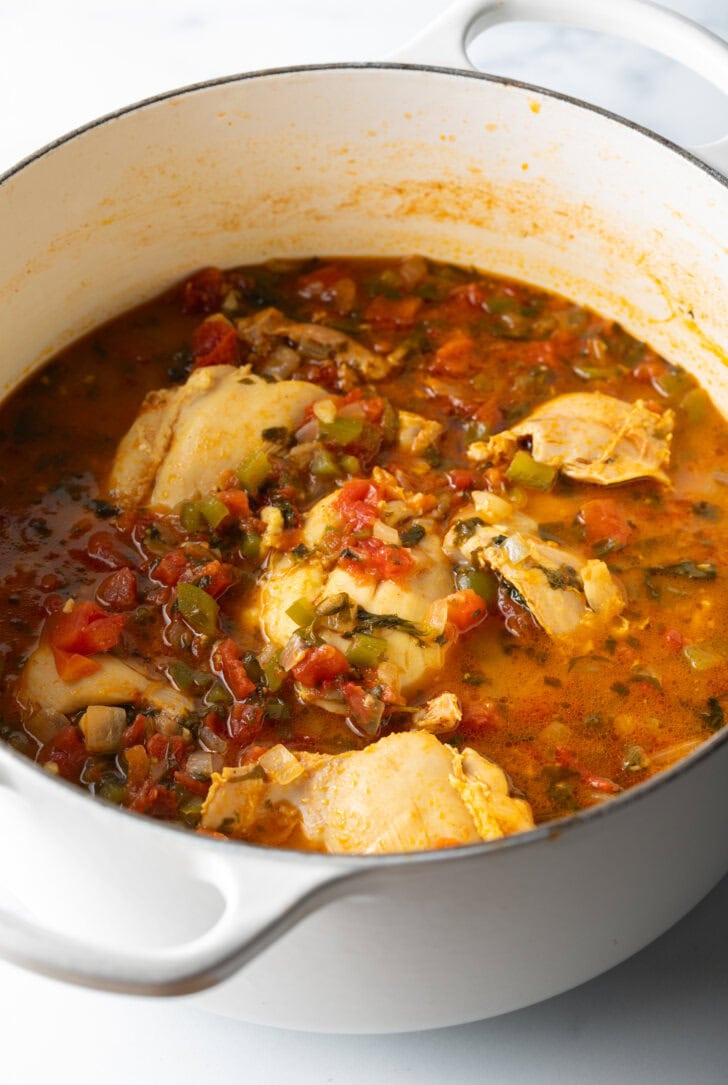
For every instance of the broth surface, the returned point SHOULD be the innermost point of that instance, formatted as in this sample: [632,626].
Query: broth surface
[570,725]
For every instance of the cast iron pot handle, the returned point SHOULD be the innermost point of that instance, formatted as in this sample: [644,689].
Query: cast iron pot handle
[265,892]
[445,41]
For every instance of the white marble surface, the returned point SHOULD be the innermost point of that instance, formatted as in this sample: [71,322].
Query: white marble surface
[658,1018]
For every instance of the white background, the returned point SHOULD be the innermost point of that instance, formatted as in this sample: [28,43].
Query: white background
[661,1017]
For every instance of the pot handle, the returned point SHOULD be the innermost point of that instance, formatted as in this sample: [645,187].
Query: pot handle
[277,891]
[444,42]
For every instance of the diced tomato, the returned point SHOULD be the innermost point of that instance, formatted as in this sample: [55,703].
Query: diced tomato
[462,479]
[320,283]
[675,639]
[369,559]
[214,577]
[72,666]
[137,767]
[598,783]
[203,292]
[397,311]
[357,501]
[227,659]
[353,405]
[237,681]
[167,747]
[474,293]
[159,802]
[186,779]
[215,342]
[364,710]
[321,664]
[456,357]
[216,723]
[170,568]
[647,370]
[53,603]
[135,733]
[236,501]
[479,717]
[466,609]
[118,590]
[603,519]
[104,549]
[83,631]
[69,752]
[245,722]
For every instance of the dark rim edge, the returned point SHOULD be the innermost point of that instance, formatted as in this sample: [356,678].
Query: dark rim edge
[265,73]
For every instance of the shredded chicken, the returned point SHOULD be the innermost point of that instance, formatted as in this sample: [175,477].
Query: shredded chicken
[590,437]
[269,332]
[564,592]
[185,438]
[405,792]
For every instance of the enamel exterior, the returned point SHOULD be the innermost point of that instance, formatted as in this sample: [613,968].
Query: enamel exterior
[358,161]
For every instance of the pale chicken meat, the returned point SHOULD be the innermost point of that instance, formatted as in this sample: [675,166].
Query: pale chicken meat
[417,433]
[567,594]
[185,438]
[405,792]
[590,437]
[114,683]
[274,339]
[396,610]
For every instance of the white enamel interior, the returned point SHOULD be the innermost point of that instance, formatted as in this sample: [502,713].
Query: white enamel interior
[374,161]
[362,161]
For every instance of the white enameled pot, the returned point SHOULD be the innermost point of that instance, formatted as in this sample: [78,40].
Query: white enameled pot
[368,159]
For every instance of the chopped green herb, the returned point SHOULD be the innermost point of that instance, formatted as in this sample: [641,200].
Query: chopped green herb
[412,535]
[713,716]
[276,434]
[703,570]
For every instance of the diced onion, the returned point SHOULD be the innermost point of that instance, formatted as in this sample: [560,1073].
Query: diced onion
[204,763]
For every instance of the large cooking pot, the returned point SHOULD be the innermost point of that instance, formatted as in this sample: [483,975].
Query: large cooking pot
[362,159]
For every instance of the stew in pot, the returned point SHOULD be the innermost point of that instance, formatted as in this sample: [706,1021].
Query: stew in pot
[361,555]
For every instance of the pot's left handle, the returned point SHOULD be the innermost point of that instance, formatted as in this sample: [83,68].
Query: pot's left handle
[445,41]
[266,892]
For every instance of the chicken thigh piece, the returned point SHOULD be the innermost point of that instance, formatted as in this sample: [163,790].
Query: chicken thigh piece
[394,608]
[406,792]
[590,437]
[566,593]
[114,683]
[185,438]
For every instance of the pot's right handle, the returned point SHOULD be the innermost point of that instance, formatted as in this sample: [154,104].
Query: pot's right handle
[445,41]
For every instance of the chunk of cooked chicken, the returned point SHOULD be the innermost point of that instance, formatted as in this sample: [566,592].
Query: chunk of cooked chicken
[114,683]
[439,715]
[185,438]
[590,437]
[397,606]
[405,792]
[417,433]
[269,333]
[564,592]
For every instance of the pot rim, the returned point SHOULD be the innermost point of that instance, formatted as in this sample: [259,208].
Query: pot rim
[547,830]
